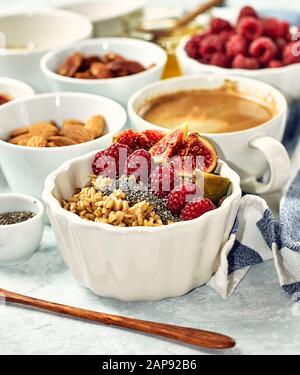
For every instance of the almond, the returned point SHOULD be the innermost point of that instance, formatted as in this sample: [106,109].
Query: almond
[37,141]
[77,133]
[44,129]
[72,122]
[19,131]
[20,138]
[51,144]
[96,125]
[59,140]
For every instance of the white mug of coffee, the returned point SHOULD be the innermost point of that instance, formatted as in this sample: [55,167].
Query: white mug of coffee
[250,146]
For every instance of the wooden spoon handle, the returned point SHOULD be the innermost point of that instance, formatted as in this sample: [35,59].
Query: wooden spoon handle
[186,335]
[196,12]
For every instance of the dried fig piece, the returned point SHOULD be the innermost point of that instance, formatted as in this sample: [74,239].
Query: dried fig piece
[99,70]
[96,125]
[61,141]
[88,61]
[111,56]
[71,65]
[84,75]
[77,134]
[125,68]
[19,131]
[37,141]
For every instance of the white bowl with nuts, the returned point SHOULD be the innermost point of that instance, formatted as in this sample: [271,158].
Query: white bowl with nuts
[119,86]
[38,134]
[137,262]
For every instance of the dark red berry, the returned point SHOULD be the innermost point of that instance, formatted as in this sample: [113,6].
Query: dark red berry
[275,28]
[211,44]
[275,64]
[129,138]
[112,161]
[291,53]
[163,180]
[236,45]
[196,208]
[263,49]
[179,196]
[139,164]
[243,62]
[247,12]
[219,59]
[250,28]
[148,138]
[219,24]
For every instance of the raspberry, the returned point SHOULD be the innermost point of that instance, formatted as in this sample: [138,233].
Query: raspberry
[275,64]
[291,53]
[250,28]
[179,196]
[148,138]
[210,44]
[128,138]
[139,164]
[112,161]
[247,12]
[236,45]
[225,35]
[280,43]
[191,48]
[275,28]
[163,180]
[263,49]
[219,59]
[197,207]
[242,62]
[219,24]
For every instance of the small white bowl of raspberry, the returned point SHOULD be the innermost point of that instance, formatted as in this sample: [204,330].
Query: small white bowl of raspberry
[263,48]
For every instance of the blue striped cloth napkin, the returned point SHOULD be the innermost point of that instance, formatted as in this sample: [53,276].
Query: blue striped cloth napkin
[257,236]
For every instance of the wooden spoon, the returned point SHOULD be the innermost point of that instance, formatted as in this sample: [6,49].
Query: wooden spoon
[183,21]
[198,337]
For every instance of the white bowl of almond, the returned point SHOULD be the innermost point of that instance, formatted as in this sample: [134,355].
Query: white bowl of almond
[40,133]
[133,224]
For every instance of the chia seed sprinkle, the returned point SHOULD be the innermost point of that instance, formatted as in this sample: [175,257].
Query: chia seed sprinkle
[137,192]
[8,218]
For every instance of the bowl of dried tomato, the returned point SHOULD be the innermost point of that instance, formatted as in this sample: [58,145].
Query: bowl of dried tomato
[112,67]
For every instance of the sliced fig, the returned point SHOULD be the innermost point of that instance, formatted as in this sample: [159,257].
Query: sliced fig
[215,187]
[197,145]
[169,144]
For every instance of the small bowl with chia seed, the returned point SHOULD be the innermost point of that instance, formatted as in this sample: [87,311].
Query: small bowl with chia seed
[21,228]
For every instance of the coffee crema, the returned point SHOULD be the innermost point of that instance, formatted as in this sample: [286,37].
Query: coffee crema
[207,111]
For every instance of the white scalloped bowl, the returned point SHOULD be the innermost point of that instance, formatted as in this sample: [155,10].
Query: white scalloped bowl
[284,78]
[138,263]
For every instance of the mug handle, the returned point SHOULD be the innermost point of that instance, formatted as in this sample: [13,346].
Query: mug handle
[279,163]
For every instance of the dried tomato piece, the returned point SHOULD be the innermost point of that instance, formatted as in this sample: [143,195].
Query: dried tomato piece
[71,65]
[100,70]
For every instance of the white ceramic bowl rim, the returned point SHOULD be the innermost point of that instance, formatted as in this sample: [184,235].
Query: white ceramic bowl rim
[16,102]
[88,42]
[86,27]
[27,198]
[56,206]
[250,72]
[208,76]
[17,83]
